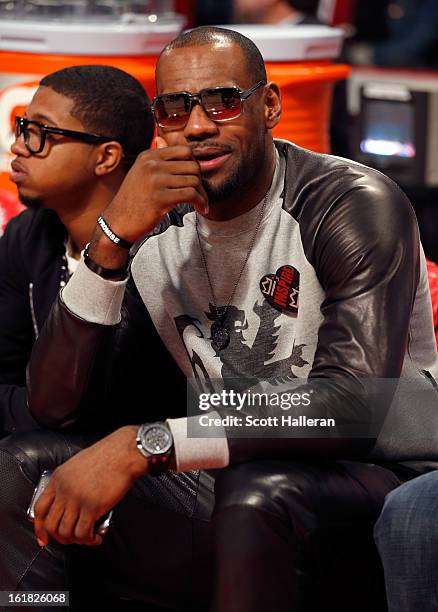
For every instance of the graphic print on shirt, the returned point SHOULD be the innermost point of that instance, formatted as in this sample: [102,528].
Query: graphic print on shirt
[242,365]
[281,289]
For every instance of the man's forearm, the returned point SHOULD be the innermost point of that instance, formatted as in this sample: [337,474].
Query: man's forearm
[228,436]
[105,253]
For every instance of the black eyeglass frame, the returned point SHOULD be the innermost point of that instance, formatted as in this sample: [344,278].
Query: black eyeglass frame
[21,124]
[197,97]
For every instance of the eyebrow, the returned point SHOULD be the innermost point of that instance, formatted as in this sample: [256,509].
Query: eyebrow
[40,116]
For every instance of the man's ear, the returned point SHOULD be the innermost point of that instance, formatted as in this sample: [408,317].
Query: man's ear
[109,156]
[272,105]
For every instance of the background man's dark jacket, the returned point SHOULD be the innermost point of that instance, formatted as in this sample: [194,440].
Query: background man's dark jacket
[31,252]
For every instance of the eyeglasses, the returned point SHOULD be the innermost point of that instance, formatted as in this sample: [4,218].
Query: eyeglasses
[219,104]
[35,134]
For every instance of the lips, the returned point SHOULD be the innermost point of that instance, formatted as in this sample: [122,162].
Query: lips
[18,172]
[210,158]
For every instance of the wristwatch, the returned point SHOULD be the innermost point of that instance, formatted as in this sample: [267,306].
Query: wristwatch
[155,441]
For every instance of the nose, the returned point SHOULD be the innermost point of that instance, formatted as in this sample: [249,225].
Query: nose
[19,148]
[200,126]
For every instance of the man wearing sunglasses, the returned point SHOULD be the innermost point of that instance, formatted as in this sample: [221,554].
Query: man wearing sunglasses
[261,263]
[79,136]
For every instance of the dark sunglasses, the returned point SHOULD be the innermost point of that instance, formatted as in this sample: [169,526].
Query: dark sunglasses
[173,110]
[35,134]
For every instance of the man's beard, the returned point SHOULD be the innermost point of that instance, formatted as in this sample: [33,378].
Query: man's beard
[242,175]
[30,202]
[223,191]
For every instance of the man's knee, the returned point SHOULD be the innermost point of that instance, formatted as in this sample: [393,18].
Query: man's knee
[23,458]
[16,543]
[40,450]
[247,485]
[283,490]
[409,514]
[15,486]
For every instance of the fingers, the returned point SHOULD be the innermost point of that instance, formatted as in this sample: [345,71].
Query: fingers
[182,180]
[84,530]
[181,164]
[42,508]
[58,523]
[178,189]
[190,195]
[67,524]
[159,180]
[160,143]
[184,167]
[204,196]
[177,152]
[64,531]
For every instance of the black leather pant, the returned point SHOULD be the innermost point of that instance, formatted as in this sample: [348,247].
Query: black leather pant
[259,536]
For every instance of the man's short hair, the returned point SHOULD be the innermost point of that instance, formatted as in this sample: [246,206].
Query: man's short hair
[209,35]
[107,101]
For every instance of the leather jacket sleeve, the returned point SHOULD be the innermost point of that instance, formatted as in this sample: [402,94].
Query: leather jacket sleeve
[364,247]
[57,357]
[88,377]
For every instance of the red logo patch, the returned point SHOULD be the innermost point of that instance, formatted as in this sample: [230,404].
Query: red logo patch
[281,289]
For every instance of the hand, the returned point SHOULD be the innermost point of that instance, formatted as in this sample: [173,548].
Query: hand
[86,487]
[160,179]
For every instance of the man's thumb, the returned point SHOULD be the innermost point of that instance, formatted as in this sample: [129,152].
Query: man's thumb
[160,143]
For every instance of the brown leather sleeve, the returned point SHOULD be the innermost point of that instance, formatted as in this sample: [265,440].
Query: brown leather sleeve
[60,366]
[88,377]
[362,240]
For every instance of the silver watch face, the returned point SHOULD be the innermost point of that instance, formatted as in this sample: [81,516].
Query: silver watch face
[156,439]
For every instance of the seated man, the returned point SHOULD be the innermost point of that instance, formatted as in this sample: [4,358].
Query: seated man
[340,243]
[82,131]
[407,539]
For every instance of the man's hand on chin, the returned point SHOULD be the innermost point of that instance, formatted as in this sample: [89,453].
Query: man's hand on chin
[86,487]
